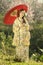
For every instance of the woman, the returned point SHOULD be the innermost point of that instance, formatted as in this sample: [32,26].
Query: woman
[21,36]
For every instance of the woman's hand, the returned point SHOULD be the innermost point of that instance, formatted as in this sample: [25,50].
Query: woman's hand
[25,20]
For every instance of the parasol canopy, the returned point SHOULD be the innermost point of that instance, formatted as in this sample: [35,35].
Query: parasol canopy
[11,15]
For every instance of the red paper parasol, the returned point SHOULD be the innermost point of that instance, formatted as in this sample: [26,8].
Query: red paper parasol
[11,15]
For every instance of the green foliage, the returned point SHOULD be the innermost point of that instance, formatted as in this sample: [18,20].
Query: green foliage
[41,58]
[8,40]
[36,41]
[2,36]
[35,56]
[37,36]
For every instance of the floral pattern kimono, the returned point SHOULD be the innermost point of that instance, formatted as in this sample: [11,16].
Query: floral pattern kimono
[21,33]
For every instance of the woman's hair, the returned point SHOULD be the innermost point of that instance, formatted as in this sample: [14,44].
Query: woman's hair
[18,14]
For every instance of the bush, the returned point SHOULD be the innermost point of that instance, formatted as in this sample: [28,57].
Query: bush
[41,58]
[35,56]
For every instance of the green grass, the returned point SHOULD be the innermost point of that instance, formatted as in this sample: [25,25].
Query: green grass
[3,62]
[29,63]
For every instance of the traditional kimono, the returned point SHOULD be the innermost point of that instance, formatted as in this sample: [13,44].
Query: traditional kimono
[21,38]
[21,33]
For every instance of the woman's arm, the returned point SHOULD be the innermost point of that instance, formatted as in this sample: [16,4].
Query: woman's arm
[15,25]
[26,21]
[28,26]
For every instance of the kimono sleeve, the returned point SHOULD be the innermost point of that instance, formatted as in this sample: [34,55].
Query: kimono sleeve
[16,25]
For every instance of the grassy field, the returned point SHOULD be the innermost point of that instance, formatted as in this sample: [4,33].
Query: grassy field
[2,62]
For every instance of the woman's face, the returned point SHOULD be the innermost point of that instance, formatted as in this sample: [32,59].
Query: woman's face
[22,13]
